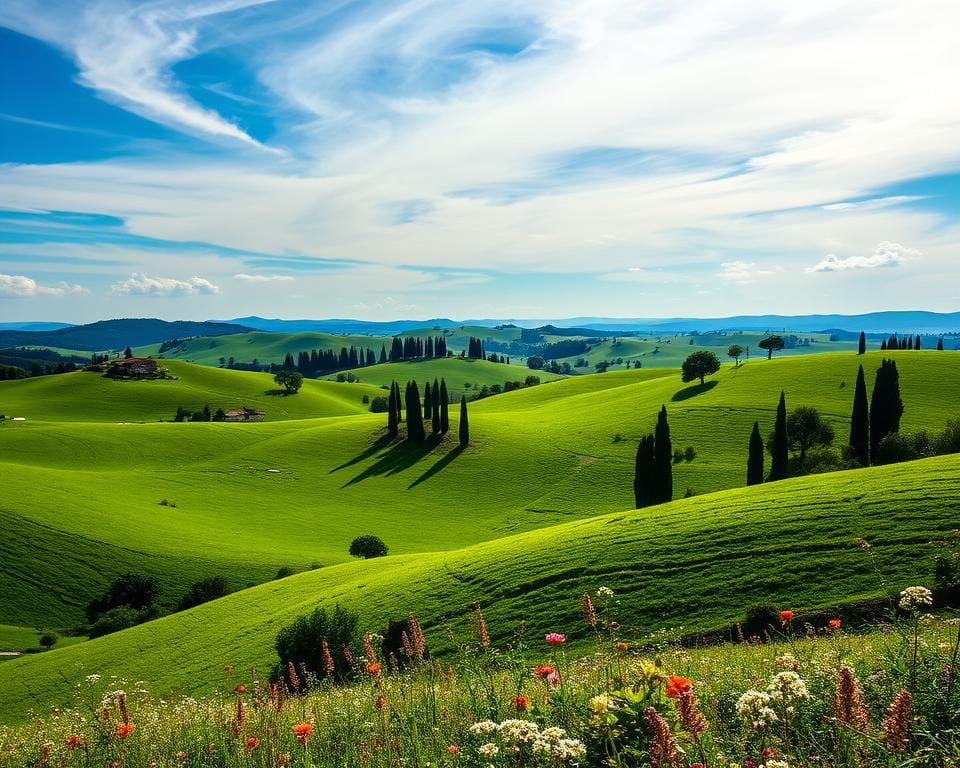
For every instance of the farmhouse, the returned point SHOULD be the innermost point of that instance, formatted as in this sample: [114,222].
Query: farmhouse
[244,414]
[133,368]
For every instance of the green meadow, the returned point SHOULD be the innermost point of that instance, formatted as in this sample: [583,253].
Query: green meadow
[534,506]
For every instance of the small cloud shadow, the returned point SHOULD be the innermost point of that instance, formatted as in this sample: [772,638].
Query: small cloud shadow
[696,389]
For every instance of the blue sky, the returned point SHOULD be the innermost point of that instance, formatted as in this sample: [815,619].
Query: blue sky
[218,158]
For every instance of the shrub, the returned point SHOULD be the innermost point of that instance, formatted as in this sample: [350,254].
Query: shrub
[284,571]
[301,644]
[379,405]
[367,547]
[946,580]
[761,620]
[392,643]
[948,441]
[122,617]
[532,381]
[132,590]
[204,591]
[49,639]
[677,456]
[689,453]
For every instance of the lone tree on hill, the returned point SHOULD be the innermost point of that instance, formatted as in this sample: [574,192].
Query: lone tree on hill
[643,476]
[806,429]
[127,353]
[663,458]
[771,344]
[862,345]
[367,547]
[700,364]
[289,380]
[886,407]
[755,457]
[464,424]
[860,423]
[736,352]
[778,444]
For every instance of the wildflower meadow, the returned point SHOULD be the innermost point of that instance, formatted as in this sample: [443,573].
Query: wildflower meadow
[803,697]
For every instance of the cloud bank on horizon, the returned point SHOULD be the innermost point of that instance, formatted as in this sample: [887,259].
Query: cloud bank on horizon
[492,159]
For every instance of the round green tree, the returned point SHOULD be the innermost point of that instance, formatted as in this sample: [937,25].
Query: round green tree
[699,365]
[367,547]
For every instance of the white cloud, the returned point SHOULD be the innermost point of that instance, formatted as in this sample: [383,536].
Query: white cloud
[743,272]
[141,285]
[887,254]
[245,278]
[19,286]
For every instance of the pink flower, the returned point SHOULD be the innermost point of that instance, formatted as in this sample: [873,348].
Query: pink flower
[453,749]
[555,638]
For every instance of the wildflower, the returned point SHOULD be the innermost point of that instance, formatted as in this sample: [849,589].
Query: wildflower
[416,637]
[605,592]
[553,679]
[555,638]
[691,720]
[754,707]
[600,704]
[519,731]
[181,755]
[915,597]
[834,623]
[380,703]
[488,750]
[589,613]
[484,727]
[239,717]
[252,743]
[292,675]
[124,730]
[621,646]
[74,740]
[776,764]
[348,657]
[283,758]
[374,668]
[453,749]
[895,728]
[677,684]
[328,665]
[302,731]
[481,625]
[848,706]
[543,670]
[787,687]
[520,702]
[785,617]
[368,652]
[240,689]
[663,749]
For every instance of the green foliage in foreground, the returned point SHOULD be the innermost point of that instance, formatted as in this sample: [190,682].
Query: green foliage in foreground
[696,563]
[823,699]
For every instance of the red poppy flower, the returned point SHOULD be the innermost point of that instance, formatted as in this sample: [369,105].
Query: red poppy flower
[677,685]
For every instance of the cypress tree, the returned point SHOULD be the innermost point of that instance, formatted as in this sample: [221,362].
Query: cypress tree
[916,344]
[862,346]
[778,442]
[663,459]
[464,424]
[383,353]
[883,345]
[886,407]
[435,400]
[415,431]
[940,344]
[427,402]
[860,422]
[444,408]
[643,476]
[910,343]
[393,420]
[755,457]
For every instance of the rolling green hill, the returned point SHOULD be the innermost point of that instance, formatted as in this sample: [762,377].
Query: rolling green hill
[698,563]
[539,456]
[85,396]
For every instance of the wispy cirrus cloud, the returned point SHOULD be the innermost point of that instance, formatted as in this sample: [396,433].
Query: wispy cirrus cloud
[141,285]
[887,254]
[245,278]
[20,287]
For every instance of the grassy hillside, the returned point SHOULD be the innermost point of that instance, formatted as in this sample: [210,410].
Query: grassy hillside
[698,563]
[537,457]
[84,396]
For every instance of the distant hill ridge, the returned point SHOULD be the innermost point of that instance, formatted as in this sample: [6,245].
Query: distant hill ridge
[115,334]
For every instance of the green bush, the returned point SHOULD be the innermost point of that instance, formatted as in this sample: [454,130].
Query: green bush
[204,591]
[301,644]
[367,547]
[122,617]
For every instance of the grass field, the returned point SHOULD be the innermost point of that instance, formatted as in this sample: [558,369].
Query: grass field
[82,501]
[696,564]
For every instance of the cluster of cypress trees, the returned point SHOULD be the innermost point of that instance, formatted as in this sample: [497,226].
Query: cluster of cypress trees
[323,361]
[475,349]
[435,410]
[905,342]
[414,348]
[868,425]
[653,474]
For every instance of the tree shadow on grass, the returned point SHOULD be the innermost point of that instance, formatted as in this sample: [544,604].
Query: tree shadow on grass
[398,458]
[379,444]
[278,393]
[438,467]
[696,389]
